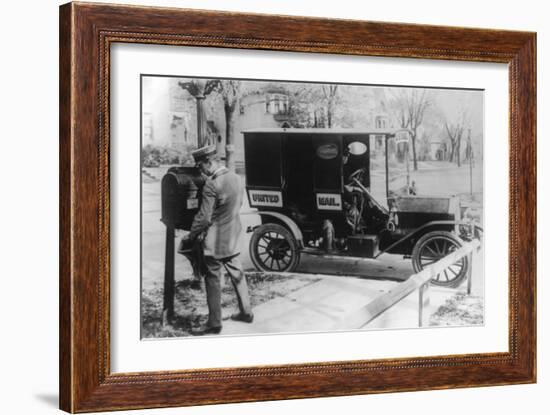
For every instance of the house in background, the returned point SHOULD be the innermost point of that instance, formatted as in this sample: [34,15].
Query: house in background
[169,117]
[438,150]
[265,107]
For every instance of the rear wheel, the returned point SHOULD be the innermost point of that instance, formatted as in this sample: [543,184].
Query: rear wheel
[274,248]
[434,246]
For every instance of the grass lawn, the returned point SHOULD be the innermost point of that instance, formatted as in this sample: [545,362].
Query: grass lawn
[190,307]
[459,310]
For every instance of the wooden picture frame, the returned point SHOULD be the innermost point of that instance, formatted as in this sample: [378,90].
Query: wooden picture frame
[86,33]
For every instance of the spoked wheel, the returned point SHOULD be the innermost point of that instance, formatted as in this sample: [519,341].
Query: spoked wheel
[273,248]
[434,246]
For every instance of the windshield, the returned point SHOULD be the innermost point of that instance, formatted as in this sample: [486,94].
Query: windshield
[401,177]
[419,170]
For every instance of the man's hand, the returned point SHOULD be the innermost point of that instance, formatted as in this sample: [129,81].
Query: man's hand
[201,236]
[197,238]
[185,236]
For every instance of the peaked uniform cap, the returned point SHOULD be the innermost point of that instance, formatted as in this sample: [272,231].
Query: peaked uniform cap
[203,153]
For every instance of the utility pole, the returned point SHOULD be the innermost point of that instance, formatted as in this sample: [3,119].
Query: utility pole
[386,138]
[201,121]
[408,168]
[199,89]
[471,154]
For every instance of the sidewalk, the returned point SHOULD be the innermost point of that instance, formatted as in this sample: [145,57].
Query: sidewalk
[322,306]
[316,307]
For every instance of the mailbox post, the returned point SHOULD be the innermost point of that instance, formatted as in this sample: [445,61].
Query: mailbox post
[180,195]
[169,280]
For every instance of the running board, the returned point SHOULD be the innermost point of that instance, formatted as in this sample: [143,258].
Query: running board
[331,255]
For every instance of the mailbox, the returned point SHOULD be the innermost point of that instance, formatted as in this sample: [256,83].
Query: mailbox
[181,192]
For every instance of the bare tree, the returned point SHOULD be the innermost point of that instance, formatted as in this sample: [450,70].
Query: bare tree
[298,111]
[409,108]
[200,89]
[230,91]
[469,154]
[313,105]
[455,130]
[399,109]
[330,94]
[416,104]
[307,107]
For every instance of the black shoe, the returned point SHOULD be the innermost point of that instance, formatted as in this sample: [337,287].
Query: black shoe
[196,285]
[206,330]
[244,317]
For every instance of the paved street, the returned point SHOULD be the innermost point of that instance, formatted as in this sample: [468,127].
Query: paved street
[434,178]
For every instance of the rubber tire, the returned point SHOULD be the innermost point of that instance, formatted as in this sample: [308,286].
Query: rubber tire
[281,230]
[449,237]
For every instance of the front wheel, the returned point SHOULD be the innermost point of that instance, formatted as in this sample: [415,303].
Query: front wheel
[274,248]
[434,246]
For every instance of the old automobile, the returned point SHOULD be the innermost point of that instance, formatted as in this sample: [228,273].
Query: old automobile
[312,190]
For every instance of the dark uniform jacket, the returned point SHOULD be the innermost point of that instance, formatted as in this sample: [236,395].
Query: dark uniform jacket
[222,197]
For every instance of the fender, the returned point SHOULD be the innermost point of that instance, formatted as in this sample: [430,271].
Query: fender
[423,227]
[289,223]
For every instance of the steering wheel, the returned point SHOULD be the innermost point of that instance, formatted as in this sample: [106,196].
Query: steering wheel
[357,174]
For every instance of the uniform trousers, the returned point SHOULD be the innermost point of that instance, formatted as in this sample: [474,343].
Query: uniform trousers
[212,282]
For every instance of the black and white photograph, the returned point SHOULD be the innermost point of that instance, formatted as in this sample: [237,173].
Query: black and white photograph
[273,207]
